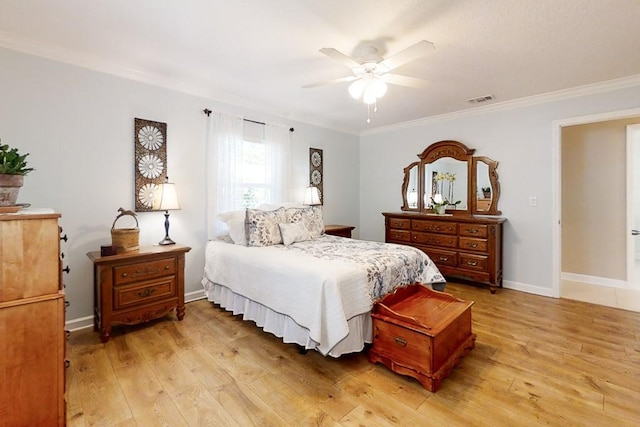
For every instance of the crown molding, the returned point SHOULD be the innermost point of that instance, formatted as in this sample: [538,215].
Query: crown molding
[590,89]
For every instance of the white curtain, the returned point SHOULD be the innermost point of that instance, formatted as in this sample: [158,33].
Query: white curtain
[278,141]
[225,172]
[224,160]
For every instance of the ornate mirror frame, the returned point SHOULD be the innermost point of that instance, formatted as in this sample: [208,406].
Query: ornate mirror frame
[457,151]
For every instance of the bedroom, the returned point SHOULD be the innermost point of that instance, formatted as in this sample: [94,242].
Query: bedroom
[77,124]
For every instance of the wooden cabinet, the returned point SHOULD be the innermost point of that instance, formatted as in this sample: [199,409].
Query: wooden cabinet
[421,333]
[339,230]
[462,246]
[134,287]
[32,338]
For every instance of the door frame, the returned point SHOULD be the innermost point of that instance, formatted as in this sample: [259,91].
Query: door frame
[633,134]
[556,180]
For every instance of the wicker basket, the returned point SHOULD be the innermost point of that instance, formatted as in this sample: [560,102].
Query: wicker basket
[125,239]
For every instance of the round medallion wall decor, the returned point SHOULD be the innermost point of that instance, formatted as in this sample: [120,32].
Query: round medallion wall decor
[316,177]
[150,139]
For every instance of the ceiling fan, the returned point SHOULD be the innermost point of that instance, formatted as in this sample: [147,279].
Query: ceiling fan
[372,73]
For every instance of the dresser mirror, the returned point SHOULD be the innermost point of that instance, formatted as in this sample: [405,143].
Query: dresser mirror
[448,173]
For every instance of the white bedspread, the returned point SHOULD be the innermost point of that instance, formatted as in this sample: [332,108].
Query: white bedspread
[319,292]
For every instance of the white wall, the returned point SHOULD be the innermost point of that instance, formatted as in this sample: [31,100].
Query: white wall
[78,126]
[520,139]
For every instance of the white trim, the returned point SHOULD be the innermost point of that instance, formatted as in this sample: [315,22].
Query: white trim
[194,296]
[523,287]
[609,85]
[556,183]
[595,280]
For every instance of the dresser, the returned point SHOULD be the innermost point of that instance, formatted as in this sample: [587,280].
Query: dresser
[137,286]
[32,337]
[462,246]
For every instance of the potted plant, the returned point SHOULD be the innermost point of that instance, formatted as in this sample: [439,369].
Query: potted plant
[486,192]
[13,168]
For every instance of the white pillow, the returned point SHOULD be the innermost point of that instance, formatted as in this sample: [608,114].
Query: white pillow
[234,220]
[293,232]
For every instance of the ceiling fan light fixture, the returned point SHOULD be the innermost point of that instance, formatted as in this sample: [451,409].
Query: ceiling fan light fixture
[356,88]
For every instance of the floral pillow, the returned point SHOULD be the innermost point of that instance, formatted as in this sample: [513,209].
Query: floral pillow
[262,227]
[294,232]
[311,217]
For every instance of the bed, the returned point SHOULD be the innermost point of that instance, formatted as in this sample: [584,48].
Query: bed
[311,289]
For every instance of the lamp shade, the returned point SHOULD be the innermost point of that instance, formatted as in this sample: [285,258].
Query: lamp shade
[311,196]
[166,198]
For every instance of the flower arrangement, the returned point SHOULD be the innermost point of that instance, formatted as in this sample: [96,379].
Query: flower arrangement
[438,201]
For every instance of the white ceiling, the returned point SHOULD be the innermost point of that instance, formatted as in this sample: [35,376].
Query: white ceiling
[258,54]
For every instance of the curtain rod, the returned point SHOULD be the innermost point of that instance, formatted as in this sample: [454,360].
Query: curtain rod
[208,113]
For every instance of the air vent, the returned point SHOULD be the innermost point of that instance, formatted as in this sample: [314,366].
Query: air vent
[480,99]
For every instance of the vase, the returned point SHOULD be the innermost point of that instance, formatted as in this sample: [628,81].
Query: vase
[442,210]
[9,188]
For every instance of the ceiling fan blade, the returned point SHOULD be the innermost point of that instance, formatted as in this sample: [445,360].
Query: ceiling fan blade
[397,79]
[411,53]
[339,56]
[328,82]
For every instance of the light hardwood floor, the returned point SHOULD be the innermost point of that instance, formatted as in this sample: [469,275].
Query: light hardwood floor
[537,361]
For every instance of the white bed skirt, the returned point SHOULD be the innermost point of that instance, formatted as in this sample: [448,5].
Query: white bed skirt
[282,326]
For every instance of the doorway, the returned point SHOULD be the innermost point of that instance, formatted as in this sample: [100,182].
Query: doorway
[633,205]
[592,244]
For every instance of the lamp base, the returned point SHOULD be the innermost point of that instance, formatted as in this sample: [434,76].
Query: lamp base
[166,241]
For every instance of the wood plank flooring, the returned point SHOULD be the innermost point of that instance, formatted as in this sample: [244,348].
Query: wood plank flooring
[537,361]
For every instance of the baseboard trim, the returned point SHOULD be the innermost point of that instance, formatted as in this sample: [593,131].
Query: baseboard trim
[530,289]
[595,280]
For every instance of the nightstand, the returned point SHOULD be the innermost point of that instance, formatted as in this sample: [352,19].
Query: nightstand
[339,230]
[137,286]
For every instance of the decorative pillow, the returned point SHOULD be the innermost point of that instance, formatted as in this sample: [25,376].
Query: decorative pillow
[294,232]
[310,217]
[262,227]
[234,220]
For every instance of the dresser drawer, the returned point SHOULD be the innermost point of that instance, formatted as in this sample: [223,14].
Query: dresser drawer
[434,226]
[150,291]
[473,262]
[144,271]
[473,230]
[434,239]
[443,258]
[472,244]
[399,235]
[399,223]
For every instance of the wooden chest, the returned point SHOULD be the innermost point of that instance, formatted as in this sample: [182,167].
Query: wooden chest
[421,333]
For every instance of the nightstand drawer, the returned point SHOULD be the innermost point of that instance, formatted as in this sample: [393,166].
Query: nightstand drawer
[125,296]
[144,271]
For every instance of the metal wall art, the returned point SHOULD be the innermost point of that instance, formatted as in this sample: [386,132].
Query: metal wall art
[316,177]
[150,140]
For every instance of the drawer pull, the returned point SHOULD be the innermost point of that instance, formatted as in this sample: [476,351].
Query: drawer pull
[444,258]
[472,245]
[147,292]
[401,341]
[473,230]
[124,274]
[472,263]
[167,267]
